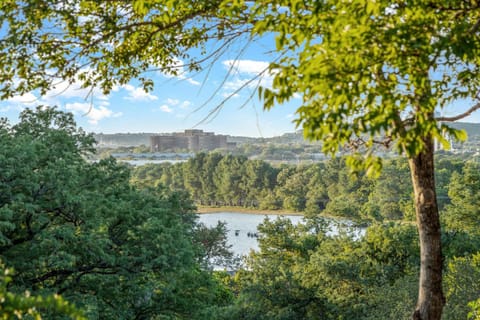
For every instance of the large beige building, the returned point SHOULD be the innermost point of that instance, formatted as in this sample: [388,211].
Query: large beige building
[192,140]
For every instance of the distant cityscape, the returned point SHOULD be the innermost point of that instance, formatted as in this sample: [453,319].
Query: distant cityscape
[289,145]
[192,140]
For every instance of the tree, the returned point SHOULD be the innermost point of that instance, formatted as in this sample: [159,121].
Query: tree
[373,72]
[367,71]
[462,283]
[80,229]
[228,180]
[464,191]
[391,197]
[16,306]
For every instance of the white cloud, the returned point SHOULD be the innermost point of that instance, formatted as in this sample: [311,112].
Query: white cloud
[185,104]
[230,95]
[25,99]
[191,81]
[166,108]
[138,94]
[64,89]
[250,67]
[94,114]
[170,104]
[246,74]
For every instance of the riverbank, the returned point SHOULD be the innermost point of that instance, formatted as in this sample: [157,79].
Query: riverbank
[203,209]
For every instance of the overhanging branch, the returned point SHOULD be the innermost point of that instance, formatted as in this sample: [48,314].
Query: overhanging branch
[459,116]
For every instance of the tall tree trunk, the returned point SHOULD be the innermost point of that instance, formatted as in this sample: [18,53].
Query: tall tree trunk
[430,296]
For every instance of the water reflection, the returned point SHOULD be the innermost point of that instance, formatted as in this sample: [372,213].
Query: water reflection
[242,228]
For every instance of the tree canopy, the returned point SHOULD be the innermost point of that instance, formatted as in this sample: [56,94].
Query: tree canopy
[368,72]
[79,229]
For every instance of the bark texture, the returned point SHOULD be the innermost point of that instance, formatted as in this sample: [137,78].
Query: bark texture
[430,295]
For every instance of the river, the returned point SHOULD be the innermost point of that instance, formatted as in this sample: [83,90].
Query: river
[241,227]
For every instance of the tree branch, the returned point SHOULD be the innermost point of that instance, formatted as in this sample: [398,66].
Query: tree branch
[460,116]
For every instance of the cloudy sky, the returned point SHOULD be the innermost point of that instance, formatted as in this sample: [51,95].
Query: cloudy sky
[182,102]
[186,101]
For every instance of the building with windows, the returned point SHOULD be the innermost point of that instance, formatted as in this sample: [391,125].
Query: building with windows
[193,140]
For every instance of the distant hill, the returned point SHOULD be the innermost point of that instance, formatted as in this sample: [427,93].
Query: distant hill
[123,139]
[136,139]
[472,129]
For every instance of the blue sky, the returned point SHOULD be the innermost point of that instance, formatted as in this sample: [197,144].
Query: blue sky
[184,101]
[176,103]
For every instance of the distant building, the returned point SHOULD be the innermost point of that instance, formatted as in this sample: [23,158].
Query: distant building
[193,140]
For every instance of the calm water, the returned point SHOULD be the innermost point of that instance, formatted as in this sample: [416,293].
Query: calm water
[239,226]
[142,162]
[244,223]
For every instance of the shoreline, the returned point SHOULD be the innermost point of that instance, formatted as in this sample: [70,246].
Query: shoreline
[204,209]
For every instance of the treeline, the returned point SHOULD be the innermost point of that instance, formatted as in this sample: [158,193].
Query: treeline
[328,187]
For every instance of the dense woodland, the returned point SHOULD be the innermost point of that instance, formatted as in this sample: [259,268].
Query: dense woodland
[300,272]
[368,73]
[81,230]
[117,243]
[329,188]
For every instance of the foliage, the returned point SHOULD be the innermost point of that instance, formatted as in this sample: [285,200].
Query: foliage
[17,306]
[366,69]
[102,44]
[323,188]
[368,72]
[475,313]
[462,280]
[79,229]
[214,247]
[464,191]
[302,273]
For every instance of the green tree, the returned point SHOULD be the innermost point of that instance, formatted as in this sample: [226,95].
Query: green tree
[259,179]
[462,282]
[193,177]
[20,305]
[376,72]
[208,187]
[292,187]
[463,214]
[271,286]
[79,229]
[302,273]
[365,70]
[317,196]
[228,180]
[444,169]
[391,196]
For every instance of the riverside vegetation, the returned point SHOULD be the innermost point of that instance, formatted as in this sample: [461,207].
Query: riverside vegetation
[121,244]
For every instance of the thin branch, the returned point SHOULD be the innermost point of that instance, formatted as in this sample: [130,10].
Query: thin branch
[460,116]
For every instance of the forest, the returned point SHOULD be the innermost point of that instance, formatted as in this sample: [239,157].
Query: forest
[359,74]
[102,240]
[329,187]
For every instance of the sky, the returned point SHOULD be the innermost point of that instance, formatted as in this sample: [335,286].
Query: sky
[184,101]
[177,102]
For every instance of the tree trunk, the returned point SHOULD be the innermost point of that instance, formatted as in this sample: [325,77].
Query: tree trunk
[430,296]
